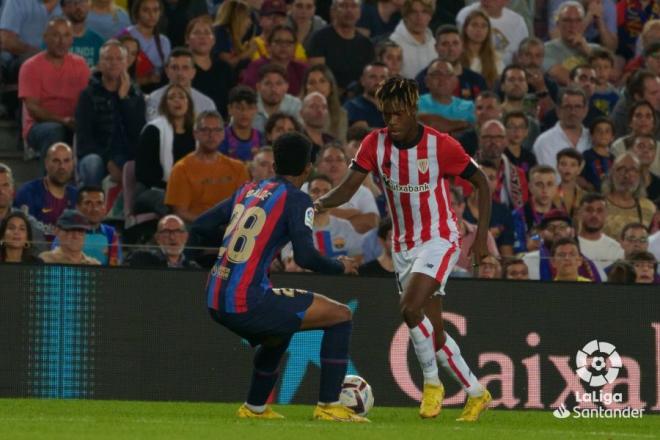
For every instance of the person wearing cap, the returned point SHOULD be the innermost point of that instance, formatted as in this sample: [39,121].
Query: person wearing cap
[556,224]
[70,230]
[273,15]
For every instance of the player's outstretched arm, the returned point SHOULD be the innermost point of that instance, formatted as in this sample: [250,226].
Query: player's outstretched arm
[208,229]
[343,192]
[480,246]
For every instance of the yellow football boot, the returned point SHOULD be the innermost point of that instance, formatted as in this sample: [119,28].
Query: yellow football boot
[337,413]
[431,400]
[474,407]
[246,413]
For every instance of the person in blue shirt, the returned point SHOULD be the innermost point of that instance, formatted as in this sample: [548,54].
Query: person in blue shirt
[86,42]
[260,218]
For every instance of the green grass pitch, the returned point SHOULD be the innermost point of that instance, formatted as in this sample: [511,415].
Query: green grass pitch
[77,419]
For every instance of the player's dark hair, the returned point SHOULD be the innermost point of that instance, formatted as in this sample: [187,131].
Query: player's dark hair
[572,153]
[399,94]
[88,189]
[292,152]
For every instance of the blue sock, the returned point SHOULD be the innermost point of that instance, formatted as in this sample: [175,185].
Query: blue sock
[266,371]
[334,360]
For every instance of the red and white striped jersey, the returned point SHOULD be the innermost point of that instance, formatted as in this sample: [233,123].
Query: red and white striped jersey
[415,183]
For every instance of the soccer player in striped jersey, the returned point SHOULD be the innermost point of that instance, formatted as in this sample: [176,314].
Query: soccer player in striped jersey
[261,218]
[414,162]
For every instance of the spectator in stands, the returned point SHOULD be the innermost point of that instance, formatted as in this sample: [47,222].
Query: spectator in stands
[501,222]
[599,24]
[176,16]
[633,19]
[7,192]
[508,27]
[279,123]
[486,107]
[340,46]
[241,141]
[272,95]
[261,166]
[642,120]
[634,238]
[468,232]
[531,52]
[213,76]
[272,15]
[569,165]
[383,264]
[478,52]
[654,244]
[646,266]
[449,47]
[333,236]
[621,272]
[514,269]
[511,186]
[101,240]
[489,269]
[582,77]
[602,249]
[234,29]
[180,70]
[22,26]
[204,177]
[16,239]
[363,110]
[414,36]
[154,47]
[624,190]
[543,192]
[304,21]
[314,117]
[570,48]
[566,260]
[171,237]
[568,132]
[110,116]
[645,148]
[47,197]
[513,86]
[379,19]
[319,78]
[71,229]
[390,54]
[163,142]
[49,102]
[556,225]
[86,42]
[605,95]
[280,44]
[439,108]
[133,50]
[361,210]
[107,19]
[598,159]
[643,85]
[646,49]
[517,130]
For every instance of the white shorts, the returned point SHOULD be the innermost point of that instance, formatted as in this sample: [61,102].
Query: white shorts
[435,258]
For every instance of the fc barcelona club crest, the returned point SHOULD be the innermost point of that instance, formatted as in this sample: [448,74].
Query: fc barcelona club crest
[423,165]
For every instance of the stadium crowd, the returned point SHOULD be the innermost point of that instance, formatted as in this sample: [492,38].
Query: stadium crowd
[143,114]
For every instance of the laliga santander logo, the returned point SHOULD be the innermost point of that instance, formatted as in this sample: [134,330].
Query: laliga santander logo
[596,373]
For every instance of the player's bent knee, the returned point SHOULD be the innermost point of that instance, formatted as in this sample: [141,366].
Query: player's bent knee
[343,313]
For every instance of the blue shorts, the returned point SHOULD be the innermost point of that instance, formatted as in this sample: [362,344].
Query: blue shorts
[279,313]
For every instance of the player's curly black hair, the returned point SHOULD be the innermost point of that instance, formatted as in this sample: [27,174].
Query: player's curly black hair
[398,94]
[292,152]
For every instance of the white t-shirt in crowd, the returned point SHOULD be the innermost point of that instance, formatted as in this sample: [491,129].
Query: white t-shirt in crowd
[654,245]
[603,252]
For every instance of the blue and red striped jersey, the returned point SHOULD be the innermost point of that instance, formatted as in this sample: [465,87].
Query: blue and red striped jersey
[262,217]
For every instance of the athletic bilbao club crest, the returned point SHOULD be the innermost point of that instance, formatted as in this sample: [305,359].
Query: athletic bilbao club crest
[423,165]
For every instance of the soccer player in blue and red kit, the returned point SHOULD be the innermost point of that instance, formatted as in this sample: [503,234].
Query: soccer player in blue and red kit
[262,217]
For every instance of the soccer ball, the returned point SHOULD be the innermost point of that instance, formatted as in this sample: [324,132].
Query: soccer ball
[356,394]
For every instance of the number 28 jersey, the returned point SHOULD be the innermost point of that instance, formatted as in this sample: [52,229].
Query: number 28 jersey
[416,184]
[262,217]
